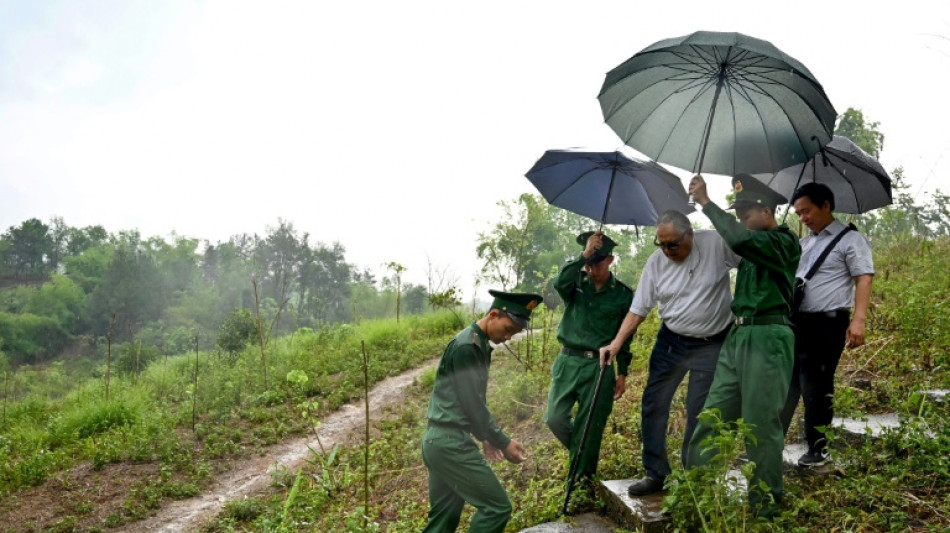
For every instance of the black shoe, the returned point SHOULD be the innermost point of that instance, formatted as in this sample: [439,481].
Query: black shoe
[813,459]
[644,486]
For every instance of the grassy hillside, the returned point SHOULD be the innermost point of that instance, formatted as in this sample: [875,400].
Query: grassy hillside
[898,483]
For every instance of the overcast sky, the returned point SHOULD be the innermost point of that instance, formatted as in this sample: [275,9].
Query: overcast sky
[391,127]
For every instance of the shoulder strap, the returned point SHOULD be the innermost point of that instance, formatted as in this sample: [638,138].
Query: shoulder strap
[827,250]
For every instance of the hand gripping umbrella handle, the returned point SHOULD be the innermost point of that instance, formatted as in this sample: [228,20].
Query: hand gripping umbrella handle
[580,447]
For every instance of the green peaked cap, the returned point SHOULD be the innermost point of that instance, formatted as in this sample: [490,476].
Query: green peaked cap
[752,192]
[606,248]
[518,305]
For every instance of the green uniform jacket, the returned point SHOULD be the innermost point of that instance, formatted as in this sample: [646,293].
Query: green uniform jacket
[766,274]
[458,396]
[591,317]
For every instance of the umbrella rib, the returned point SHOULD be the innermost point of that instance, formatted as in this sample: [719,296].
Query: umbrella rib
[784,112]
[765,132]
[699,93]
[695,77]
[567,187]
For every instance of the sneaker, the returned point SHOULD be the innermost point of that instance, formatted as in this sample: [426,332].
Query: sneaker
[644,486]
[813,459]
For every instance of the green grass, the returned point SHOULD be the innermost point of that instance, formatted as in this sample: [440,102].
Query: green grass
[163,416]
[898,483]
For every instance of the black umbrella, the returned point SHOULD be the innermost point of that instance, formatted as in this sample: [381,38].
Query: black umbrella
[724,103]
[858,181]
[608,186]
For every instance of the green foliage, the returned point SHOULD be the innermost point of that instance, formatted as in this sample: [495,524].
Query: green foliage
[866,135]
[30,338]
[712,497]
[236,331]
[88,420]
[133,357]
[26,247]
[60,299]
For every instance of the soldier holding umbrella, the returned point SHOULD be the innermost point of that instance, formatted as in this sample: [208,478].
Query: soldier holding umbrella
[755,365]
[595,305]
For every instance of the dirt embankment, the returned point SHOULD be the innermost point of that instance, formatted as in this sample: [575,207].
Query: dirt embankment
[94,495]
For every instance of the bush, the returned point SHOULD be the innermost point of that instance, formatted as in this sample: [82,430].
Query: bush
[90,420]
[236,331]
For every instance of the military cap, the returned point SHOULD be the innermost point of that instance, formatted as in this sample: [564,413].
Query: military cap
[518,305]
[751,192]
[606,248]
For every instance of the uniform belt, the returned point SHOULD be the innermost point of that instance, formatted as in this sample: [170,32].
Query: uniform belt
[765,320]
[586,354]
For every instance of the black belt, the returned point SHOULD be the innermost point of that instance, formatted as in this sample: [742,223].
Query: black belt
[716,337]
[586,354]
[765,320]
[837,313]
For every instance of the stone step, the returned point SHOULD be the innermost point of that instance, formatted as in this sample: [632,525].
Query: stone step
[644,513]
[584,523]
[856,430]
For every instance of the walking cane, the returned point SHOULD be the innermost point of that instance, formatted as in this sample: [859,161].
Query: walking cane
[580,447]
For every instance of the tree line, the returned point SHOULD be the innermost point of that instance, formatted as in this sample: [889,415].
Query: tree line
[60,283]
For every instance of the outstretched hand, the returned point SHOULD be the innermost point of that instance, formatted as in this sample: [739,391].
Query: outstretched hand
[492,453]
[515,452]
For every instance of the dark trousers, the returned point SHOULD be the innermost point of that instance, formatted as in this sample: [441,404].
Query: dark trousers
[819,341]
[673,355]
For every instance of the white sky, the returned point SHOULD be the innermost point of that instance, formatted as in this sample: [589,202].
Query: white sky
[392,127]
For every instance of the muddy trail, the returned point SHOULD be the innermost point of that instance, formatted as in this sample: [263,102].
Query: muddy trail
[254,475]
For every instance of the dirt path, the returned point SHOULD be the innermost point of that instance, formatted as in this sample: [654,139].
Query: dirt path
[254,475]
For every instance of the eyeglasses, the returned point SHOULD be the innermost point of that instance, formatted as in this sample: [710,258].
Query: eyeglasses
[670,246]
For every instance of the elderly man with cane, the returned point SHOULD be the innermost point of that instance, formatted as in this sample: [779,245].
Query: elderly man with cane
[687,279]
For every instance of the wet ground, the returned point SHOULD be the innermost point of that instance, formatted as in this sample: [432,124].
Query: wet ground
[255,475]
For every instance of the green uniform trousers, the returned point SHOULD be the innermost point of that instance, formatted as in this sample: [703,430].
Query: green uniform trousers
[459,473]
[573,380]
[751,382]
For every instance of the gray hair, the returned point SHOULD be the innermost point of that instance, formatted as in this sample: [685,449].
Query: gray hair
[679,221]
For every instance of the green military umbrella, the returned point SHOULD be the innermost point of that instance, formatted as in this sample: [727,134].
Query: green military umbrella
[724,103]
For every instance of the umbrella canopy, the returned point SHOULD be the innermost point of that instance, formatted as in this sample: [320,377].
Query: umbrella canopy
[858,181]
[608,186]
[724,103]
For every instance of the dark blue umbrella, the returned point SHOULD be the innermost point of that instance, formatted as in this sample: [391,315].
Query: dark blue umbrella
[608,187]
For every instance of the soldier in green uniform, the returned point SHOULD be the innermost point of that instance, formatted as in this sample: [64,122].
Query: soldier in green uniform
[458,473]
[595,304]
[755,365]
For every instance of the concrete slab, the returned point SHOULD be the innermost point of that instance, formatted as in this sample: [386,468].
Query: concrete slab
[584,523]
[857,429]
[938,396]
[791,453]
[642,514]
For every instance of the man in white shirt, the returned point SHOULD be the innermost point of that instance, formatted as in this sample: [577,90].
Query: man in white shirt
[688,280]
[824,324]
